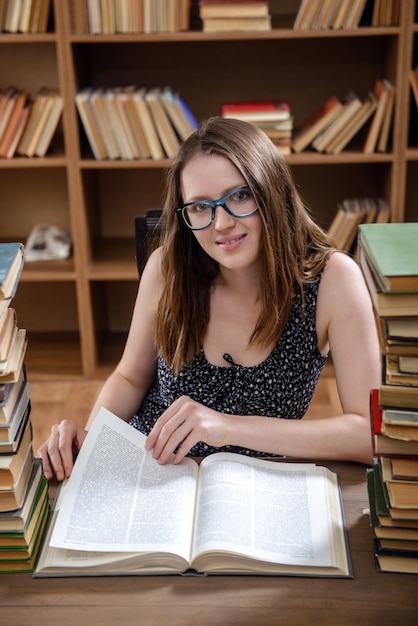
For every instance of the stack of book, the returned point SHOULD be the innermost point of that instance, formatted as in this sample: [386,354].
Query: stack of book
[134,123]
[23,489]
[389,260]
[346,14]
[325,14]
[352,212]
[234,15]
[28,124]
[332,127]
[24,16]
[107,17]
[272,116]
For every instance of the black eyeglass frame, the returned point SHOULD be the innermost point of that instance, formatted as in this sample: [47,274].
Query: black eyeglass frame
[213,204]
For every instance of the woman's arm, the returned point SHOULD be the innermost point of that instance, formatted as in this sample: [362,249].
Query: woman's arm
[124,390]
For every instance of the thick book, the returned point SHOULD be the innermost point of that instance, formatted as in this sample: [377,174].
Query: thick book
[391,250]
[386,304]
[11,264]
[122,513]
[16,520]
[383,445]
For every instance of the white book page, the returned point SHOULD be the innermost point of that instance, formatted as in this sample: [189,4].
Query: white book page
[119,499]
[276,511]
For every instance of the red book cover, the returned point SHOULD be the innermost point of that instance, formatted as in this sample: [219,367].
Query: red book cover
[375,412]
[255,106]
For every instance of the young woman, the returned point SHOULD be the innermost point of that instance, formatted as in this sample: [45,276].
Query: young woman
[235,316]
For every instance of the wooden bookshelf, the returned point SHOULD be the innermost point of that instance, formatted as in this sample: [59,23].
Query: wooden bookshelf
[84,305]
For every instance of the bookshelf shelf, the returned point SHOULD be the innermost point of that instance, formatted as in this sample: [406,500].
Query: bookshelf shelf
[97,201]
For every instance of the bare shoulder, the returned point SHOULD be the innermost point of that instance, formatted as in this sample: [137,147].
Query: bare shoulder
[343,291]
[152,278]
[341,268]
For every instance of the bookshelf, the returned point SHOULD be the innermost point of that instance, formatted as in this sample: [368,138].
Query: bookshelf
[79,310]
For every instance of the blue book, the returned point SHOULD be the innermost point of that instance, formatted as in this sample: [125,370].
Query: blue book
[11,264]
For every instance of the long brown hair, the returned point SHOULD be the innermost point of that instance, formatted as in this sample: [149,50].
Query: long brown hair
[294,248]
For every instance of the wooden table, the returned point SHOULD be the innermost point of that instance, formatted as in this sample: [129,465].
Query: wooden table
[371,598]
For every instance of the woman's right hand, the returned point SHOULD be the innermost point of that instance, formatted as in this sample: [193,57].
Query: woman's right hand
[58,451]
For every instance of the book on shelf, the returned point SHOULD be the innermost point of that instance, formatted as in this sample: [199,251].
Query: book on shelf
[45,114]
[391,251]
[350,213]
[19,101]
[11,265]
[39,16]
[134,17]
[43,117]
[103,119]
[7,103]
[351,104]
[382,89]
[117,124]
[353,126]
[20,129]
[144,113]
[386,12]
[183,123]
[342,13]
[234,24]
[306,14]
[90,125]
[51,125]
[383,139]
[134,122]
[305,536]
[316,123]
[165,130]
[254,8]
[257,111]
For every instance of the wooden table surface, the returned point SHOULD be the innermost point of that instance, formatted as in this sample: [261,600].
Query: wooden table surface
[371,598]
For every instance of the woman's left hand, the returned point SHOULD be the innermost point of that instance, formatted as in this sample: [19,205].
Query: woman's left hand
[185,422]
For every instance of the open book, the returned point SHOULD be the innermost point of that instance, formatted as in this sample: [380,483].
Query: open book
[122,513]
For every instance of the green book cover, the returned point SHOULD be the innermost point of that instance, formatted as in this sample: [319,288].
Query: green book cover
[392,253]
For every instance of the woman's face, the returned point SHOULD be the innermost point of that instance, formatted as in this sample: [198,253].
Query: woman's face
[234,242]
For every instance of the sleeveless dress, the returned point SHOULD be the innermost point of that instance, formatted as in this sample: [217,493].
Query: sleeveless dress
[281,386]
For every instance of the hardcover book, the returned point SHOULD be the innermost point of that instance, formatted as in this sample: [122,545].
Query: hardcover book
[120,512]
[391,250]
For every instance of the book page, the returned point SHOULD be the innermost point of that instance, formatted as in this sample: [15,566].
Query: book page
[119,499]
[277,512]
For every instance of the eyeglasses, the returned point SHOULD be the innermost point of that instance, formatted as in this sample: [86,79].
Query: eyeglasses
[199,215]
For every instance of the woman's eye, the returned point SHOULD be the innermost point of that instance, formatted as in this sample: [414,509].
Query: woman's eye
[199,208]
[241,196]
